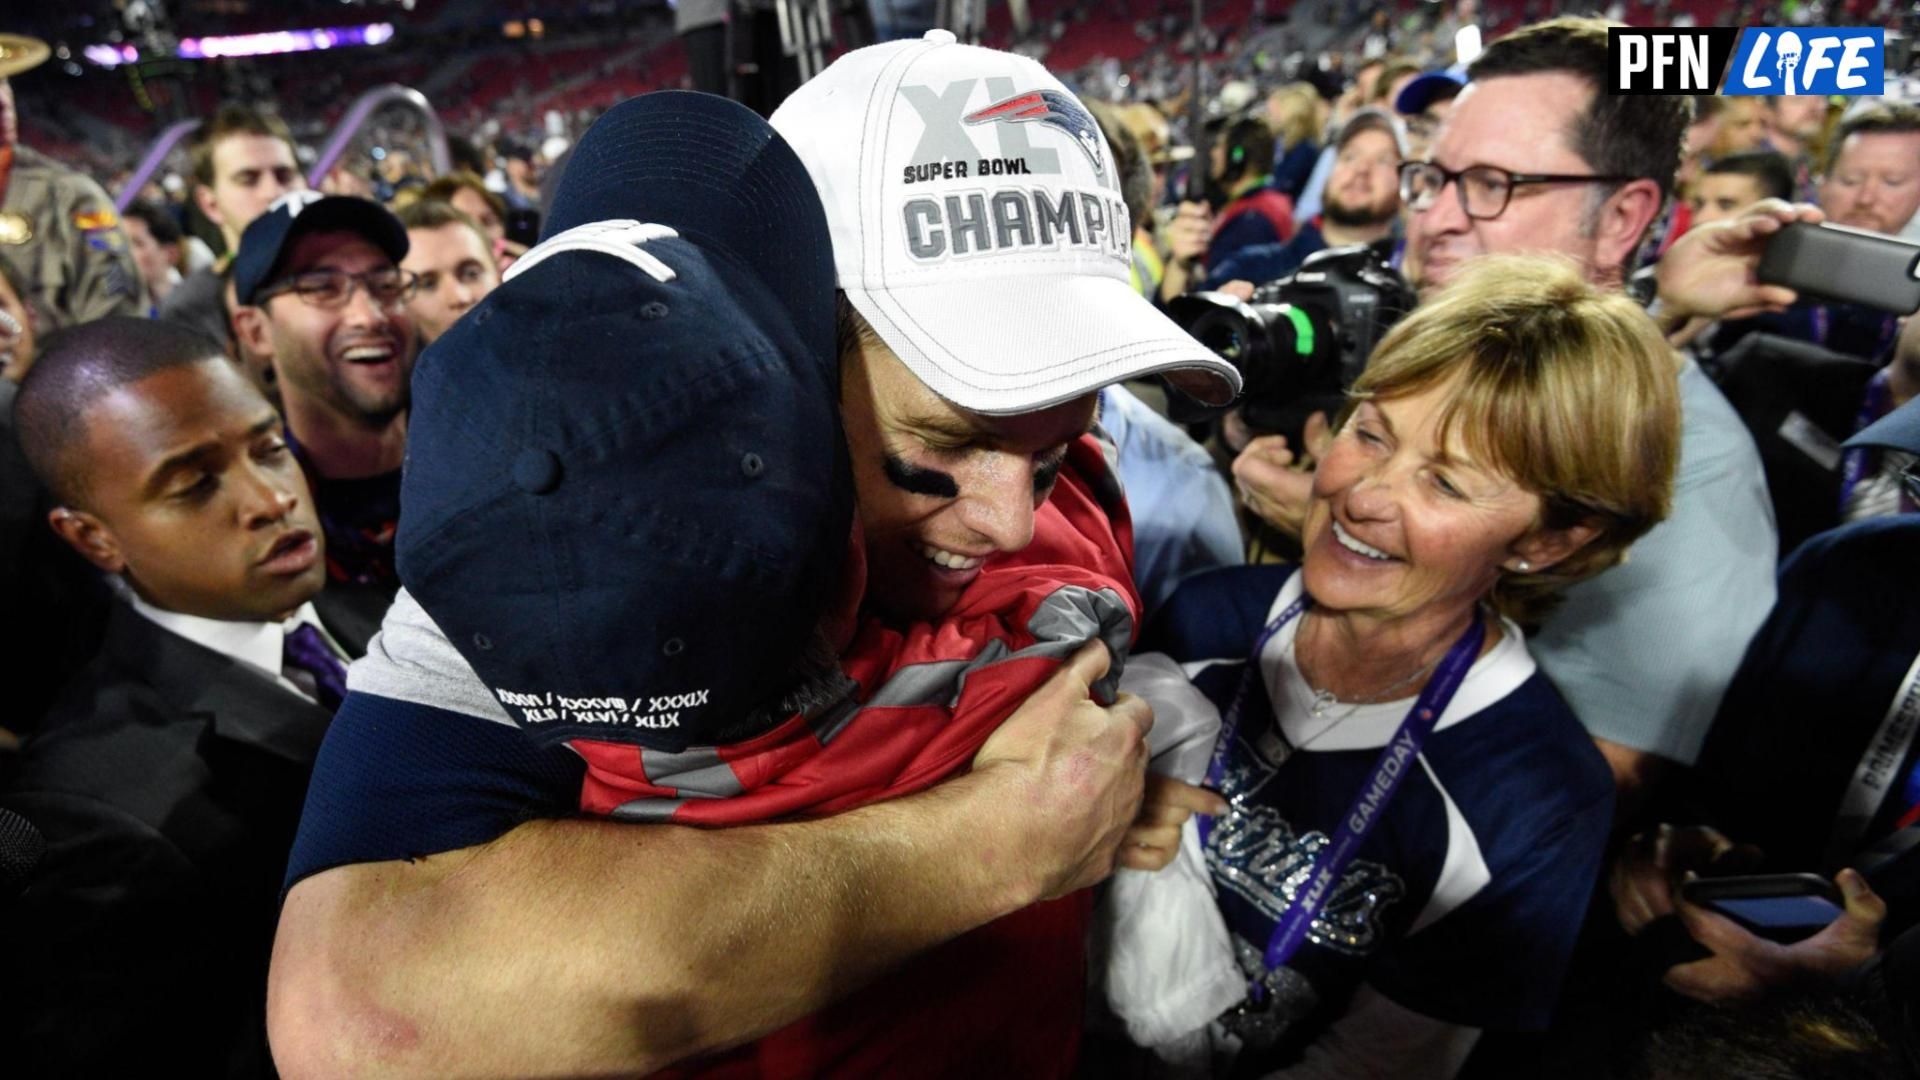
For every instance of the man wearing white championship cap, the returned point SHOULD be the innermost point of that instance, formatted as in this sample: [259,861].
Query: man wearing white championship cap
[982,250]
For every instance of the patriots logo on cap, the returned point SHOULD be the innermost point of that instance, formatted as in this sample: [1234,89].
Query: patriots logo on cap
[1054,108]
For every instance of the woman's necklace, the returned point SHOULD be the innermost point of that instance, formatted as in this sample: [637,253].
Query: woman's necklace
[1324,700]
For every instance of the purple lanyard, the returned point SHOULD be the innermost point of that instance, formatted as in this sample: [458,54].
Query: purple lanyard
[1392,766]
[1873,405]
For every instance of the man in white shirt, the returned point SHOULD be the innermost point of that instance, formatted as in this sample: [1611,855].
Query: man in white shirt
[170,774]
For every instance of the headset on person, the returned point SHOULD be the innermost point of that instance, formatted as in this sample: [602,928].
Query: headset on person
[1238,134]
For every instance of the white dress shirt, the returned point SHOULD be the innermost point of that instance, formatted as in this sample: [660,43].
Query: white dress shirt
[259,645]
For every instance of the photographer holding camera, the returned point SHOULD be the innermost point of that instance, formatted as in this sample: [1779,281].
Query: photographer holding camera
[1535,157]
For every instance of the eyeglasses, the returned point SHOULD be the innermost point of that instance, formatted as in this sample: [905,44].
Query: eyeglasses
[334,288]
[1483,189]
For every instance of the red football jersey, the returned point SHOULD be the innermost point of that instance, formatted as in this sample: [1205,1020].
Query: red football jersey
[1004,999]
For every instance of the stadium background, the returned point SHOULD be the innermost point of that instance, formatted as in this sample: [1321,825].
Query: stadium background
[533,76]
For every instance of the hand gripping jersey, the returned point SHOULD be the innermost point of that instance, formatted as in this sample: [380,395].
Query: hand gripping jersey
[1004,999]
[422,759]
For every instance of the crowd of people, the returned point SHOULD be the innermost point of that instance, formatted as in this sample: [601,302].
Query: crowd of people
[809,607]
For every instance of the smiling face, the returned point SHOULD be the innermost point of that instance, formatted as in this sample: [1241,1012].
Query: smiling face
[941,489]
[1402,526]
[191,492]
[1520,123]
[354,360]
[1364,187]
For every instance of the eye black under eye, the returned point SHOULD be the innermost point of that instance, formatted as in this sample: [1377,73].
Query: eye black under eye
[918,480]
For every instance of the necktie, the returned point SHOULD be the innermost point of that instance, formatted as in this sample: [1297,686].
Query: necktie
[307,652]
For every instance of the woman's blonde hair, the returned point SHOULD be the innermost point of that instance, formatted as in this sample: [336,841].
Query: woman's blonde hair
[1566,388]
[1294,113]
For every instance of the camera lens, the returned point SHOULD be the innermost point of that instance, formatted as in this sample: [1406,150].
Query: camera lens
[1258,339]
[1227,337]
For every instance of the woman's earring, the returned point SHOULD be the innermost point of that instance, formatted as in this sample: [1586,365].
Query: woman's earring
[1524,566]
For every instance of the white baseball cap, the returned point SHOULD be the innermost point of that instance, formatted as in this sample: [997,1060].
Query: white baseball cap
[978,227]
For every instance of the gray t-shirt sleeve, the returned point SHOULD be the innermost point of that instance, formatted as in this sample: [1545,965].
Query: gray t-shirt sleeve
[1645,651]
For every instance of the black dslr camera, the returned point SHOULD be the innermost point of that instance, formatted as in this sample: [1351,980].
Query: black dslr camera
[1303,339]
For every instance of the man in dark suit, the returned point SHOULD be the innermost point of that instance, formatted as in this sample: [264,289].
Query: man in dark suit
[169,776]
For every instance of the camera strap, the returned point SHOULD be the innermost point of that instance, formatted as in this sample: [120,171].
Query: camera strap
[1383,781]
[1873,777]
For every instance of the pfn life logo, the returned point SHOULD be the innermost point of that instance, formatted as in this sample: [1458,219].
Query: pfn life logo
[1790,61]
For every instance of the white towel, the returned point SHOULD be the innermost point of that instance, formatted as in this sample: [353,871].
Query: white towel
[1169,966]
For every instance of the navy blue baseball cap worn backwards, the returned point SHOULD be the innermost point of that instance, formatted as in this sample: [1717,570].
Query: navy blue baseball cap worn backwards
[628,498]
[266,241]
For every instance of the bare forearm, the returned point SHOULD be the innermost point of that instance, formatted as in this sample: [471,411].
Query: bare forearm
[1175,281]
[577,947]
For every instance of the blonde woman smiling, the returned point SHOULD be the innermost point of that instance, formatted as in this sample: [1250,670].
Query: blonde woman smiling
[1417,818]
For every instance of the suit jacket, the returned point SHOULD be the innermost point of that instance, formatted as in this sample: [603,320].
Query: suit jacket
[1799,401]
[168,780]
[54,602]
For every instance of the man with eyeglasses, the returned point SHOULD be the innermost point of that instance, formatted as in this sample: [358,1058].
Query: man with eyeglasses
[1535,157]
[323,293]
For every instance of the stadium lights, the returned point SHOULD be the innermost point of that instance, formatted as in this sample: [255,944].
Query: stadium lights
[269,44]
[111,55]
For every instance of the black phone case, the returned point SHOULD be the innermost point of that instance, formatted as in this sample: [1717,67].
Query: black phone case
[1852,266]
[1706,891]
[1748,886]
